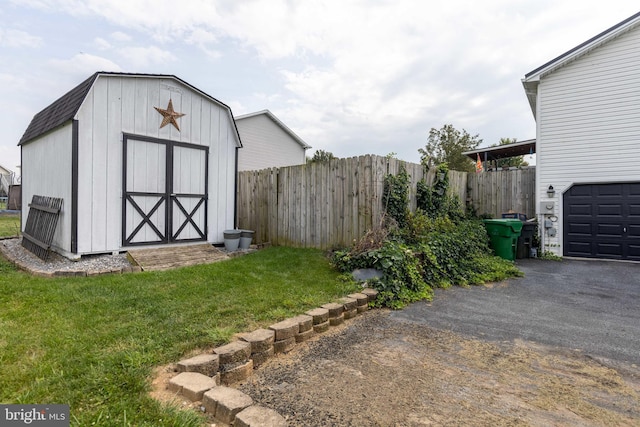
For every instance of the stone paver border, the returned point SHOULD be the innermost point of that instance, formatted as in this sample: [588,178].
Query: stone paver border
[196,381]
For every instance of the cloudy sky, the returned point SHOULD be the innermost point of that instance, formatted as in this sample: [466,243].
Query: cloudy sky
[351,77]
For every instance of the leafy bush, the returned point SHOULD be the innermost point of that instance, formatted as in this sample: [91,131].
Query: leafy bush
[433,247]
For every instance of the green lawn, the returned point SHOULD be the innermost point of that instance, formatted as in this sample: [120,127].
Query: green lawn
[92,342]
[9,225]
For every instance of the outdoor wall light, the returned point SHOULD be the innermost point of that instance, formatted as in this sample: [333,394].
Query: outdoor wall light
[551,192]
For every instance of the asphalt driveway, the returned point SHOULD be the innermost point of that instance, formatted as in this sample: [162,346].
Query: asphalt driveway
[592,306]
[559,346]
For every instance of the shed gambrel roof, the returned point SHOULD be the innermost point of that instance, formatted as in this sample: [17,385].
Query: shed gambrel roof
[532,79]
[66,107]
[273,118]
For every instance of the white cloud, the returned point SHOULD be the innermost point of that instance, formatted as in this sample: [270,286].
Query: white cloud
[143,57]
[101,43]
[357,75]
[120,36]
[18,39]
[83,64]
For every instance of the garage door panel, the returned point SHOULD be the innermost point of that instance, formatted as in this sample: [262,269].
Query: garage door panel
[602,221]
[633,231]
[582,190]
[581,210]
[609,210]
[634,252]
[580,229]
[608,249]
[634,189]
[610,230]
[609,190]
[634,210]
[579,249]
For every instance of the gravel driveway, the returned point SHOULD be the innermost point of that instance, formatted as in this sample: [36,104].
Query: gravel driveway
[557,347]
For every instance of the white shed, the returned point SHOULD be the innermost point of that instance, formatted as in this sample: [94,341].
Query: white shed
[138,159]
[587,111]
[267,142]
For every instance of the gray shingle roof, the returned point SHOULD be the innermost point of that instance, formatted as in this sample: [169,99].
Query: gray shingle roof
[61,111]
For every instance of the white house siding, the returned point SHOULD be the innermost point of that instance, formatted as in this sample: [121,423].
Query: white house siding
[588,118]
[47,172]
[265,145]
[117,104]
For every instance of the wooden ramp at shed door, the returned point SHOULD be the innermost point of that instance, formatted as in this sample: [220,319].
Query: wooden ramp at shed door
[170,257]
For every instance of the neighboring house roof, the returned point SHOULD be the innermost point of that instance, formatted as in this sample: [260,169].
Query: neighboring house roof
[5,171]
[532,79]
[284,127]
[65,108]
[520,148]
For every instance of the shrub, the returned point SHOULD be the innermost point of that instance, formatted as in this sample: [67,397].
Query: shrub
[436,246]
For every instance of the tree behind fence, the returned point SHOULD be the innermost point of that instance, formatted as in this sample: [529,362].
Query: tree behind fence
[324,205]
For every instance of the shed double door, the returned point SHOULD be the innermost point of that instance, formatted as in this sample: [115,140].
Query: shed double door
[165,191]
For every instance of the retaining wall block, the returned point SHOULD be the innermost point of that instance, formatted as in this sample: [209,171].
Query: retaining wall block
[259,416]
[305,322]
[261,340]
[322,327]
[361,298]
[320,315]
[371,293]
[349,314]
[234,352]
[192,385]
[335,309]
[261,357]
[286,329]
[230,374]
[348,303]
[284,346]
[303,336]
[225,402]
[335,321]
[206,364]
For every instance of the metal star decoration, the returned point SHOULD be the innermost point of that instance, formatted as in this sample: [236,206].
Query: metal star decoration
[169,115]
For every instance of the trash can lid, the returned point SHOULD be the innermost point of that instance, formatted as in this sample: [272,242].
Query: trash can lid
[514,224]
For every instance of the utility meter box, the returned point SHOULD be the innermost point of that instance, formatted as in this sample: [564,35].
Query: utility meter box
[548,208]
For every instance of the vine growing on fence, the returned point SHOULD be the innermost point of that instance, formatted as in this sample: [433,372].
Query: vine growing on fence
[396,196]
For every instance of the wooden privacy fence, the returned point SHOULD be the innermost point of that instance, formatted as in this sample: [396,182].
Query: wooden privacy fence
[502,191]
[324,205]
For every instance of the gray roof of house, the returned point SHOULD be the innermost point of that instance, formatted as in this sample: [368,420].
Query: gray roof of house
[65,108]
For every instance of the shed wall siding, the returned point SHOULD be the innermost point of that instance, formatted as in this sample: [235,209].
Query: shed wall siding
[46,171]
[265,145]
[589,121]
[125,104]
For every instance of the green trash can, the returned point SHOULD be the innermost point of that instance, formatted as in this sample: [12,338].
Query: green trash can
[503,234]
